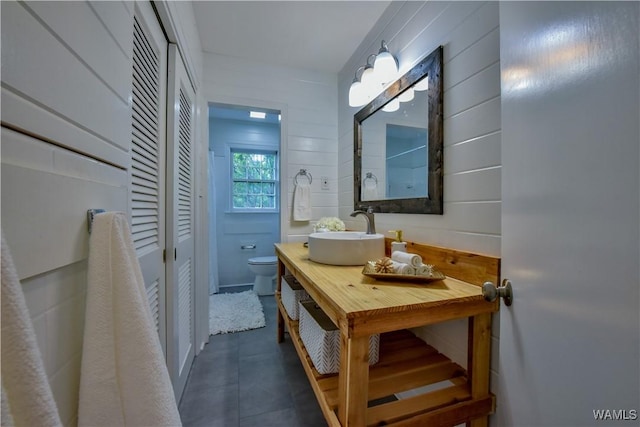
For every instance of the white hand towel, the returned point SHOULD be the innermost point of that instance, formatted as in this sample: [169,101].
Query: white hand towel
[124,379]
[370,192]
[5,412]
[302,202]
[27,399]
[413,260]
[424,270]
[402,268]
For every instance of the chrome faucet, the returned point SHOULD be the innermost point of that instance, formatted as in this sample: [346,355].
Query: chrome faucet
[368,215]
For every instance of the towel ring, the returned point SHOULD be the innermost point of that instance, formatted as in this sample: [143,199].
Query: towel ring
[303,172]
[369,175]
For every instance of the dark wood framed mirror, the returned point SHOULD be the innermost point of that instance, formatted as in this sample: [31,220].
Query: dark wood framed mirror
[398,150]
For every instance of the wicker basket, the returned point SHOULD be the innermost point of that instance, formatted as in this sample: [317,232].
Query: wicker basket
[321,338]
[291,293]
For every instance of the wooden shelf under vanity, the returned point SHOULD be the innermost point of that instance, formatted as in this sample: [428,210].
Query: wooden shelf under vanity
[363,395]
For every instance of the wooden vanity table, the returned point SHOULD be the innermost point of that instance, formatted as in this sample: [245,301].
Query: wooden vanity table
[361,306]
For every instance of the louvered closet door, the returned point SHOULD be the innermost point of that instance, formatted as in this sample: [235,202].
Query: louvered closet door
[180,222]
[148,148]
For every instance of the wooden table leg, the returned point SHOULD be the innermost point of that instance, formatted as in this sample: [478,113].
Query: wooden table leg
[279,318]
[478,363]
[353,380]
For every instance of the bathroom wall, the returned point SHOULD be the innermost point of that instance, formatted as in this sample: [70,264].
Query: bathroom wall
[66,116]
[469,34]
[307,100]
[234,230]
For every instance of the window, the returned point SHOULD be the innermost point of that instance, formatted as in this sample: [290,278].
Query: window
[254,180]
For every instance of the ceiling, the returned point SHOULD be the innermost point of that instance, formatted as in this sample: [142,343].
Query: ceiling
[318,35]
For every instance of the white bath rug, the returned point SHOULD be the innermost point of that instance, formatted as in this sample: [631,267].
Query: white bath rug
[235,312]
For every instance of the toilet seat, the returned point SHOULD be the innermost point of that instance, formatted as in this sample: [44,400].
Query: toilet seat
[263,260]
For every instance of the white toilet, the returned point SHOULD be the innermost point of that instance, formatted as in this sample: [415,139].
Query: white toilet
[265,268]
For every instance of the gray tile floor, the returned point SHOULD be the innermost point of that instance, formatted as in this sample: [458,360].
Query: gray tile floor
[247,379]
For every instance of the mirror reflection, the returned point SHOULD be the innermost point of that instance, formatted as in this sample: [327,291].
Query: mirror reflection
[394,158]
[398,144]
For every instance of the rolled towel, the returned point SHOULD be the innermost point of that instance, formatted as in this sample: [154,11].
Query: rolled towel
[402,268]
[424,270]
[413,260]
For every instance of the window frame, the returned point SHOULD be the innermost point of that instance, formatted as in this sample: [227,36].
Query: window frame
[276,182]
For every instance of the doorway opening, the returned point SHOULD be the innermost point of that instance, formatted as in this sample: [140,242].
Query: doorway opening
[244,192]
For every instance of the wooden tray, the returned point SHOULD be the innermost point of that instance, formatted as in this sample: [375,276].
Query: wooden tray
[369,270]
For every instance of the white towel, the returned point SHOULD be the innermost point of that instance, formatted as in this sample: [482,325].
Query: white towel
[425,270]
[369,192]
[26,395]
[413,260]
[402,268]
[124,379]
[5,412]
[302,202]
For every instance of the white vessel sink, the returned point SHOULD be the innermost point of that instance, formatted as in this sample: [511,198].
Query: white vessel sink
[345,247]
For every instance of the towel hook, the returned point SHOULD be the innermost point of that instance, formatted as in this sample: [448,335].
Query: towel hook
[91,213]
[303,172]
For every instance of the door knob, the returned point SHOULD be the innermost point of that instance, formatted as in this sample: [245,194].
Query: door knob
[490,292]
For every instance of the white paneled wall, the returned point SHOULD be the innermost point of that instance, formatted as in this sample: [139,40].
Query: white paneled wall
[66,132]
[307,100]
[62,76]
[469,34]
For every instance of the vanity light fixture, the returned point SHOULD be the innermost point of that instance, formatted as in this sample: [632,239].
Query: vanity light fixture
[375,76]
